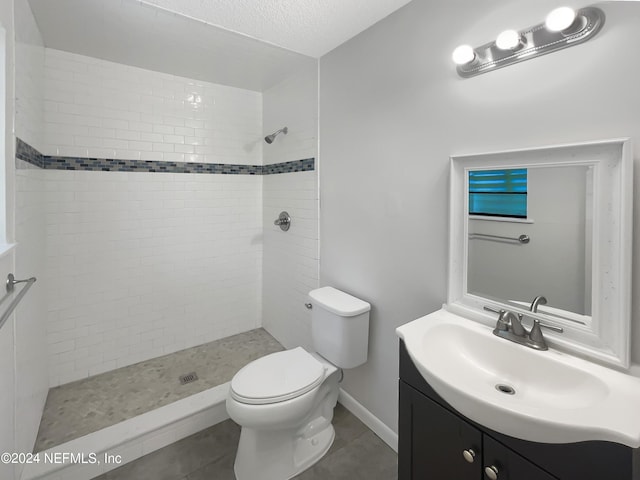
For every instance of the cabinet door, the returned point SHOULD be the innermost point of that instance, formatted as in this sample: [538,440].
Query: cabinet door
[433,441]
[508,464]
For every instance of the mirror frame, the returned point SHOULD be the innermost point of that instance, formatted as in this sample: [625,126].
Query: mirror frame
[604,341]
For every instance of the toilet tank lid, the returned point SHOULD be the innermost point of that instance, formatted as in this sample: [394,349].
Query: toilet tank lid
[338,302]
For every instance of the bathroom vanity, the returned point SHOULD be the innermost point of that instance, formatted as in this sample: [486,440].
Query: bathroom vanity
[436,442]
[540,239]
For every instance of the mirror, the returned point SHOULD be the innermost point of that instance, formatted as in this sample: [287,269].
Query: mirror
[554,212]
[552,221]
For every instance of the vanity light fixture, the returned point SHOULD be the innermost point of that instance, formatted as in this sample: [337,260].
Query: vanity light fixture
[562,28]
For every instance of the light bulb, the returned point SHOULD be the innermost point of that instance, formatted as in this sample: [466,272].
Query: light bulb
[508,40]
[560,19]
[463,54]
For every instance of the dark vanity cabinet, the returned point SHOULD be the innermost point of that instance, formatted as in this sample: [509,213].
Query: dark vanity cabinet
[437,443]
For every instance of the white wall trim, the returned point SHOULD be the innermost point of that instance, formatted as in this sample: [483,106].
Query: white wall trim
[387,435]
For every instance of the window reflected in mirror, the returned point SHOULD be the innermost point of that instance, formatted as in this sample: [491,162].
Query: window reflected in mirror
[498,193]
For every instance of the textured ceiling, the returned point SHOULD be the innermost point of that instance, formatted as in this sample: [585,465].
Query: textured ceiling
[310,27]
[132,33]
[251,44]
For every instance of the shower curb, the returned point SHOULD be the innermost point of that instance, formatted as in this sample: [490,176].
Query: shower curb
[131,439]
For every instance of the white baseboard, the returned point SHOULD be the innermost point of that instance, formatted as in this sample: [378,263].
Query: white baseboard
[131,439]
[387,435]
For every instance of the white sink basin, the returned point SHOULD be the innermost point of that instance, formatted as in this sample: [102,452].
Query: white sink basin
[548,397]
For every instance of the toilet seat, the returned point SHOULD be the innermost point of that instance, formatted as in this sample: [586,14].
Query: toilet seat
[277,377]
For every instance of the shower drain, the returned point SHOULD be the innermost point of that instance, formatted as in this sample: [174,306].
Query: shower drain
[188,378]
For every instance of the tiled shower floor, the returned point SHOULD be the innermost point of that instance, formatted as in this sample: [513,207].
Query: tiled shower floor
[94,403]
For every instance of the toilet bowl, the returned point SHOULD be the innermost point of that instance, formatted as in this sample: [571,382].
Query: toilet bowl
[284,401]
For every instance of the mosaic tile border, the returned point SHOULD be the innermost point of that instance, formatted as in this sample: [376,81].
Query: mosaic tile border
[26,152]
[287,167]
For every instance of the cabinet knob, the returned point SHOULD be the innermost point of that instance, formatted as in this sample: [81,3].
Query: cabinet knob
[469,455]
[491,472]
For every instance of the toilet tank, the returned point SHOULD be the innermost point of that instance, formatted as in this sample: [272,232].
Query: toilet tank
[340,327]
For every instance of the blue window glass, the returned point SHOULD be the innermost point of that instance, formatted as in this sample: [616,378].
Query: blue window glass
[498,193]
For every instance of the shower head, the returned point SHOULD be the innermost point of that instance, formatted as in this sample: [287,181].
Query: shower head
[270,138]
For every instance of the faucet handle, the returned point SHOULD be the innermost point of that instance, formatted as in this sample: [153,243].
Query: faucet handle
[502,324]
[535,335]
[551,327]
[536,339]
[491,309]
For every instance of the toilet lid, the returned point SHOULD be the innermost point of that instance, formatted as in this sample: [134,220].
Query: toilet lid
[277,377]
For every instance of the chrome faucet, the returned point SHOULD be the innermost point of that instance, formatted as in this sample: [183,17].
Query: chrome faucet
[509,326]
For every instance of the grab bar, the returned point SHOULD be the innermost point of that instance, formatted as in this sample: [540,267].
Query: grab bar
[483,236]
[11,285]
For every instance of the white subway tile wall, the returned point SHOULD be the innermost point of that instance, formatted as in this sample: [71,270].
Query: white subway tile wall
[31,358]
[144,264]
[29,93]
[293,103]
[290,259]
[32,379]
[96,108]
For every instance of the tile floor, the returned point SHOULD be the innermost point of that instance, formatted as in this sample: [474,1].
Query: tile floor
[91,404]
[356,454]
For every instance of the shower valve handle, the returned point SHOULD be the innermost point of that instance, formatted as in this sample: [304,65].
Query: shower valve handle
[283,221]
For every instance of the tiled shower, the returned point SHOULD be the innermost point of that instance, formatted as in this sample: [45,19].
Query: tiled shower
[145,204]
[143,259]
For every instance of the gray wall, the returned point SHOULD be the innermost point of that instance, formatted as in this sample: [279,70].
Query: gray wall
[393,110]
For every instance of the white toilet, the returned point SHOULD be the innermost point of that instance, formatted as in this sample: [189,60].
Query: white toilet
[284,401]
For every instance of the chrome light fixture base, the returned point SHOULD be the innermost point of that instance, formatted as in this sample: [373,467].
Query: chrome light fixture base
[537,40]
